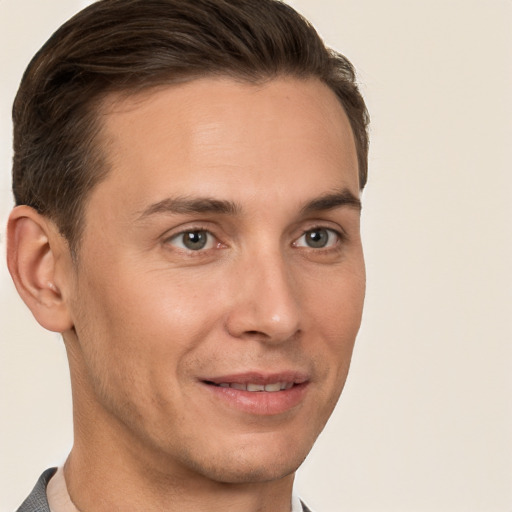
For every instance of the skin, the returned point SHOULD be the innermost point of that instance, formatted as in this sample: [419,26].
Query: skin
[146,320]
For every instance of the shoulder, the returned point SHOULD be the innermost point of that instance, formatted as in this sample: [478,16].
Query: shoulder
[36,501]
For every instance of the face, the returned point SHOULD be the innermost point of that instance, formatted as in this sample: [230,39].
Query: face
[220,280]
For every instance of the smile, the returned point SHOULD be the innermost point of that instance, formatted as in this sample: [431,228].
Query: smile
[259,393]
[271,388]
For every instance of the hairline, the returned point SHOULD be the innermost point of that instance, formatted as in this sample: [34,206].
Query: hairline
[105,101]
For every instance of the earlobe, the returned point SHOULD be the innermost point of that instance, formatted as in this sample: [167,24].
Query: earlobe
[33,250]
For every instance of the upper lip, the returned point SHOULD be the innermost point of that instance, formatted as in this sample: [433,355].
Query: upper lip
[257,377]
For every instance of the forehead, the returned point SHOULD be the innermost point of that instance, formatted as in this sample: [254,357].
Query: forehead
[218,136]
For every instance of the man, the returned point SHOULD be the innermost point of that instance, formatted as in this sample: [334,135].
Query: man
[187,177]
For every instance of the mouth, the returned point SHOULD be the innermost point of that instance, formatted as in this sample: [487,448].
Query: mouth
[254,387]
[259,394]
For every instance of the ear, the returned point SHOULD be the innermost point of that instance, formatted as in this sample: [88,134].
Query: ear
[38,258]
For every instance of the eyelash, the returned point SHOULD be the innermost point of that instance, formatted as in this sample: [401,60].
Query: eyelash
[339,235]
[197,229]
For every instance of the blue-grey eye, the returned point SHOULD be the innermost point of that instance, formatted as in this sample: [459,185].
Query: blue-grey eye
[195,240]
[318,238]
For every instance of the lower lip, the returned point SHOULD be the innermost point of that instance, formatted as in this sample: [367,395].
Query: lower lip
[262,403]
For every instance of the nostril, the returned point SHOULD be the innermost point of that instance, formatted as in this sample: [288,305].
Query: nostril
[255,333]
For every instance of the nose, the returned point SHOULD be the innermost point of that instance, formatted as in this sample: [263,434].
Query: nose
[266,302]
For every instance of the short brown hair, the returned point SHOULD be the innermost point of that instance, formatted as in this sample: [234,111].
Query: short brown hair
[130,45]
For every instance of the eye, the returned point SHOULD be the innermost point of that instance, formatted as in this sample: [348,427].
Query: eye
[194,240]
[318,238]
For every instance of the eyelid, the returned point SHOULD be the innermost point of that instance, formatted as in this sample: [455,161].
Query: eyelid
[172,237]
[214,241]
[339,235]
[175,240]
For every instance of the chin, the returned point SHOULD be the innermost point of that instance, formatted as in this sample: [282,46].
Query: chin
[261,461]
[245,472]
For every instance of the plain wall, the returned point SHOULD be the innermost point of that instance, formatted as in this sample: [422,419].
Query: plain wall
[425,421]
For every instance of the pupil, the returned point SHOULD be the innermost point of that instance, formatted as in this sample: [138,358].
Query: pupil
[317,238]
[195,240]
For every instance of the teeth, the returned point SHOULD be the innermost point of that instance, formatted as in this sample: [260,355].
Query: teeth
[255,387]
[271,388]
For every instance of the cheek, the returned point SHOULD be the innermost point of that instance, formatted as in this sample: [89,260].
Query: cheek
[152,307]
[338,299]
[141,327]
[337,308]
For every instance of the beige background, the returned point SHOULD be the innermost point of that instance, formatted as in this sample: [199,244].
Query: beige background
[425,422]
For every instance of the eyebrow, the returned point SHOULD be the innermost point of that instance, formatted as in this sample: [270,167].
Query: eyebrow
[331,201]
[190,205]
[180,205]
